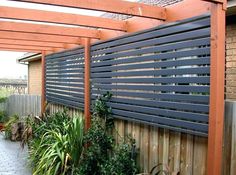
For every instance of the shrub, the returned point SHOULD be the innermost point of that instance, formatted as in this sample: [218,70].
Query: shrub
[103,156]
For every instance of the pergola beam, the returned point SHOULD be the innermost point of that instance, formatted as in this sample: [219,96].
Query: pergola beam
[7,46]
[49,29]
[39,37]
[113,6]
[61,18]
[31,43]
[19,50]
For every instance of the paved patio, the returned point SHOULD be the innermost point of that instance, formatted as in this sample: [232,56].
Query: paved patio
[13,160]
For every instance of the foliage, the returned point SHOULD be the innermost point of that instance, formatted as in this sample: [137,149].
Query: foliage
[102,156]
[100,109]
[3,99]
[121,163]
[4,93]
[3,116]
[9,124]
[56,144]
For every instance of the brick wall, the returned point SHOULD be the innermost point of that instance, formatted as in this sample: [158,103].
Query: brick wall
[35,77]
[230,89]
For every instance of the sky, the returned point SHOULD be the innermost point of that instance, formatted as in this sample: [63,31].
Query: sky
[9,68]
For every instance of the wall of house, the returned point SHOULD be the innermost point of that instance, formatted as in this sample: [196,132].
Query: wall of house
[230,89]
[35,77]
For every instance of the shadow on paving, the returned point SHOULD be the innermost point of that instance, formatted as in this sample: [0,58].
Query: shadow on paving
[13,160]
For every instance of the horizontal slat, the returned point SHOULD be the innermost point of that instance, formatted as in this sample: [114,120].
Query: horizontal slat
[163,120]
[159,64]
[66,87]
[162,112]
[158,48]
[66,62]
[171,55]
[65,84]
[59,71]
[187,131]
[70,98]
[161,31]
[157,96]
[165,88]
[65,58]
[165,42]
[76,66]
[160,72]
[76,51]
[65,75]
[64,80]
[65,102]
[198,79]
[80,95]
[193,107]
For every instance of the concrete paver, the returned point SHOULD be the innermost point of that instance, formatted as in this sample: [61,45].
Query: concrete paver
[13,160]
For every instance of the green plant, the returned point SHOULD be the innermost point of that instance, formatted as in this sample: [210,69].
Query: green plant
[9,124]
[100,109]
[121,161]
[3,116]
[103,156]
[56,144]
[3,99]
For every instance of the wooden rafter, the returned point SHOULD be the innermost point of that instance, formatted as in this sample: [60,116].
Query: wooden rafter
[20,50]
[8,46]
[61,18]
[39,37]
[49,29]
[113,6]
[31,43]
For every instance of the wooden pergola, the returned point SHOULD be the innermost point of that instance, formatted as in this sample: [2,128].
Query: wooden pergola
[75,30]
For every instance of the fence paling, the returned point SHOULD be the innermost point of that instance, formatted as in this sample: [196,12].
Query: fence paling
[24,105]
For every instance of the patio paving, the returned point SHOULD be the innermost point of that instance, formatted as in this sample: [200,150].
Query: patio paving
[13,160]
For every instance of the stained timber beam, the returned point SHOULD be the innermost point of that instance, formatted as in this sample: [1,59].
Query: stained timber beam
[31,43]
[7,46]
[113,6]
[61,18]
[20,50]
[39,37]
[49,29]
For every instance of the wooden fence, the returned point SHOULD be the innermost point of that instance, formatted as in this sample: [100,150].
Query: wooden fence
[181,152]
[23,105]
[229,152]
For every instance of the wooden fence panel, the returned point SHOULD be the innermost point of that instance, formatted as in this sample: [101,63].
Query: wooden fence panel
[24,105]
[229,151]
[181,152]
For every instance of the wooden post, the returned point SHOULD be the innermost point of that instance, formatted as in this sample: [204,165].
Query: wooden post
[87,83]
[43,95]
[216,116]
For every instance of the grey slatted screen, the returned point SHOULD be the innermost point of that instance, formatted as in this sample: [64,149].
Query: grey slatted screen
[64,78]
[159,77]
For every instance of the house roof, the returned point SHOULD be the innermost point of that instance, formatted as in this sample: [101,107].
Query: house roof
[28,57]
[231,7]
